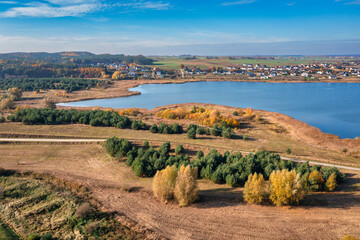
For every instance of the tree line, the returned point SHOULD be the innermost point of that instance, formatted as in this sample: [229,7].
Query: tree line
[35,84]
[232,169]
[100,118]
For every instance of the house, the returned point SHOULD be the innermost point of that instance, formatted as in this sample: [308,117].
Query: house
[305,74]
[293,74]
[332,77]
[251,75]
[345,74]
[264,77]
[273,74]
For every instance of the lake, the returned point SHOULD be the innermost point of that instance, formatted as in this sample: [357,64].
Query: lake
[332,107]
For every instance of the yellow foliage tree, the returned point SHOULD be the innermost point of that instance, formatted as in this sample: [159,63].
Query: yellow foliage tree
[331,182]
[164,183]
[316,181]
[15,93]
[186,190]
[255,189]
[204,116]
[286,187]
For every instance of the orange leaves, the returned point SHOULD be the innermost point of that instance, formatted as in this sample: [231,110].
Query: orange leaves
[208,116]
[129,112]
[248,111]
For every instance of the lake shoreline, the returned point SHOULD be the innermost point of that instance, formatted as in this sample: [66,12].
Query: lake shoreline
[298,129]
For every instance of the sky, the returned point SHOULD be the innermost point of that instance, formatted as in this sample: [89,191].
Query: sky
[174,27]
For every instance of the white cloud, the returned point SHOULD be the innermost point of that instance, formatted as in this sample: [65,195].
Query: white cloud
[8,2]
[70,2]
[46,10]
[353,2]
[145,5]
[73,8]
[242,2]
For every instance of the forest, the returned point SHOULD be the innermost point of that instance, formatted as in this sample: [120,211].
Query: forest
[35,84]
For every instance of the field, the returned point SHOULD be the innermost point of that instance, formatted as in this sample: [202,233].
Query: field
[172,63]
[114,186]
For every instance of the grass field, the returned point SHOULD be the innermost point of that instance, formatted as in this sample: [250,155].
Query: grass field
[172,63]
[264,139]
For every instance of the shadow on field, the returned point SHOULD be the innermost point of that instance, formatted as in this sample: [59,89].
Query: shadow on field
[235,136]
[220,197]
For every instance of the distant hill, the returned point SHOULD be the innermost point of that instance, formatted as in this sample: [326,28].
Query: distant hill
[77,57]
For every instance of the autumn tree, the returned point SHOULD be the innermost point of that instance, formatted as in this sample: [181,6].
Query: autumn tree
[255,189]
[15,93]
[7,103]
[331,182]
[286,187]
[49,102]
[186,191]
[164,183]
[316,181]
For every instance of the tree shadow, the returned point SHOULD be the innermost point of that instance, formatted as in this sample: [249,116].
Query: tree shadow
[220,197]
[236,136]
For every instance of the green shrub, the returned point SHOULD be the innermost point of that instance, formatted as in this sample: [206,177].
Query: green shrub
[227,133]
[191,133]
[215,131]
[34,236]
[146,144]
[288,151]
[199,154]
[179,149]
[154,128]
[47,236]
[138,125]
[2,119]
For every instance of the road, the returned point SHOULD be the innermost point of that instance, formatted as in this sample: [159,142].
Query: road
[58,140]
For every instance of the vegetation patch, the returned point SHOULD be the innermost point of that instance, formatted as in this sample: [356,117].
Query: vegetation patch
[232,169]
[37,208]
[37,84]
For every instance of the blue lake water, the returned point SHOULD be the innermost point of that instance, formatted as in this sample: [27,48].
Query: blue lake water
[332,107]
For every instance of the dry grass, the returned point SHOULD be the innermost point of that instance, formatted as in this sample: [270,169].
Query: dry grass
[264,139]
[325,215]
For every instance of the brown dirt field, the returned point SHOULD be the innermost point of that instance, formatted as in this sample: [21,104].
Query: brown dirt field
[219,214]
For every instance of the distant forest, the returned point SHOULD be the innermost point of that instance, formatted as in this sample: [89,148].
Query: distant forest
[62,65]
[76,57]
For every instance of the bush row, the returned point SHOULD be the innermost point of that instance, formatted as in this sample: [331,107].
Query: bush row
[232,169]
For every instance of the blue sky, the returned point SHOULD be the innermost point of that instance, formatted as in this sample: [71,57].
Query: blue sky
[239,27]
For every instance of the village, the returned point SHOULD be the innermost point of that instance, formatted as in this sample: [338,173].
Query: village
[313,71]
